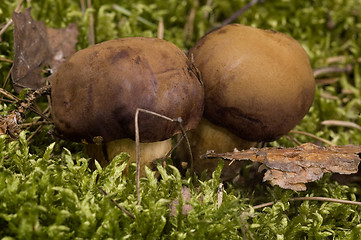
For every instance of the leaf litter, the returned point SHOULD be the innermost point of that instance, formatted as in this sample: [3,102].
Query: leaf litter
[292,168]
[37,47]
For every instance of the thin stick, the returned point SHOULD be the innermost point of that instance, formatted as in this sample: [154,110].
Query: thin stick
[6,60]
[239,12]
[7,25]
[6,100]
[137,156]
[8,94]
[137,144]
[326,70]
[83,6]
[341,124]
[173,148]
[8,76]
[34,133]
[160,33]
[294,140]
[116,204]
[137,148]
[179,120]
[322,199]
[325,199]
[91,36]
[208,4]
[189,26]
[220,195]
[155,114]
[313,136]
[35,123]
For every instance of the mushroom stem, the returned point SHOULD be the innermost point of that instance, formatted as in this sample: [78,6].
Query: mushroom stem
[206,137]
[149,153]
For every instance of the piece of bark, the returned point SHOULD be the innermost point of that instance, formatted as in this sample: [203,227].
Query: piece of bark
[291,168]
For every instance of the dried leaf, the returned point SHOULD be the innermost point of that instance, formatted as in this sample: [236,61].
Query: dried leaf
[9,124]
[37,46]
[291,168]
[62,44]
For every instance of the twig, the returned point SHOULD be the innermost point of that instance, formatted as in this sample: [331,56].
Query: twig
[174,147]
[45,116]
[8,77]
[179,120]
[341,124]
[206,13]
[137,156]
[28,102]
[83,6]
[239,12]
[116,204]
[160,33]
[220,195]
[6,60]
[313,136]
[137,140]
[35,123]
[49,98]
[326,81]
[128,13]
[7,25]
[9,95]
[34,133]
[18,8]
[326,70]
[91,36]
[6,100]
[322,199]
[293,140]
[189,26]
[325,199]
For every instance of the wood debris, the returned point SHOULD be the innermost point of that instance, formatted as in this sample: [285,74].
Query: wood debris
[292,168]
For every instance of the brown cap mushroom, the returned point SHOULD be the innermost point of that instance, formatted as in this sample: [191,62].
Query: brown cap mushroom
[97,91]
[258,83]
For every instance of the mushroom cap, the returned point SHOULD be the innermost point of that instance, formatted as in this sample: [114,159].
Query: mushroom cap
[258,83]
[97,91]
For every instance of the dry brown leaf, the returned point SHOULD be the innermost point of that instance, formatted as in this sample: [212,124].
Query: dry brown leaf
[36,47]
[291,168]
[9,124]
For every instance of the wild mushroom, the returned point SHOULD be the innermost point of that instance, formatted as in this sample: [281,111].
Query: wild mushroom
[95,95]
[258,83]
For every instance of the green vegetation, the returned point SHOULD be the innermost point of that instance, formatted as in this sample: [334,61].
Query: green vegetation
[48,192]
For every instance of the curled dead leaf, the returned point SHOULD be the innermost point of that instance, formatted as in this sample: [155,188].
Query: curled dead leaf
[9,124]
[291,168]
[36,47]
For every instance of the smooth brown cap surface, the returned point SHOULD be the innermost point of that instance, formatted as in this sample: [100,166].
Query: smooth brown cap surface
[97,91]
[258,83]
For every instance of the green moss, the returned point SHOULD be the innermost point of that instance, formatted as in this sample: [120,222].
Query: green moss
[48,192]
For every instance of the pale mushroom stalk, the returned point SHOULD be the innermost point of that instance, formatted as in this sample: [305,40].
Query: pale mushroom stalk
[210,137]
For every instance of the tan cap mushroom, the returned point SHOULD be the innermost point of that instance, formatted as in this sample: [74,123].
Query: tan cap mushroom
[97,91]
[258,83]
